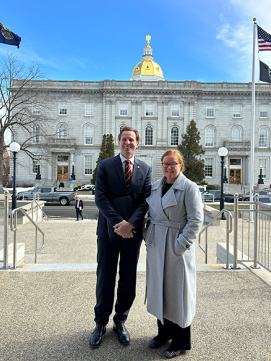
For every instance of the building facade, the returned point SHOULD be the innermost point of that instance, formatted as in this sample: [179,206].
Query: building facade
[82,111]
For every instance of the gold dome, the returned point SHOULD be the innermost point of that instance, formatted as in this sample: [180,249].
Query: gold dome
[147,69]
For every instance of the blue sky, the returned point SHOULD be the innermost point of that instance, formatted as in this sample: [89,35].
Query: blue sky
[208,41]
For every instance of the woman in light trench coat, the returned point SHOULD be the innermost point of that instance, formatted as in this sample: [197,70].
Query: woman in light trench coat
[176,216]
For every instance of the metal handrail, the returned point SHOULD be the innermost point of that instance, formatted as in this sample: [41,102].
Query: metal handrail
[13,227]
[228,230]
[44,215]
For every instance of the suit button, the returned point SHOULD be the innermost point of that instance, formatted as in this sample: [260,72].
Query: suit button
[188,247]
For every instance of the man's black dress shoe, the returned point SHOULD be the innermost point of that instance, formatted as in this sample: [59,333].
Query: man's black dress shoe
[97,336]
[123,334]
[156,343]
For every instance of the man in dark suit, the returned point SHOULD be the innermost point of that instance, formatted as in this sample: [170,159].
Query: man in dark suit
[123,182]
[79,206]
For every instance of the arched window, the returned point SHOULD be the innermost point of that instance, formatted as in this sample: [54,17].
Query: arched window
[89,134]
[236,134]
[209,136]
[174,136]
[148,135]
[36,134]
[263,137]
[63,131]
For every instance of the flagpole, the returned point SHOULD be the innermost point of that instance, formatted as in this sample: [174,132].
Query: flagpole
[252,121]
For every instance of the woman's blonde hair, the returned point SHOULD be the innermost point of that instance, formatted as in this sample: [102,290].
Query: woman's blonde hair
[177,154]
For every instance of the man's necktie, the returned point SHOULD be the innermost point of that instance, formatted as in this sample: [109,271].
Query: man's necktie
[128,172]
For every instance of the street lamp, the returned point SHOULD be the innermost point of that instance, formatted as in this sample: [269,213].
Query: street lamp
[38,175]
[222,152]
[73,174]
[260,180]
[14,147]
[225,179]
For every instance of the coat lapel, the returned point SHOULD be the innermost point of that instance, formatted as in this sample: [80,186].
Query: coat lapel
[155,199]
[169,198]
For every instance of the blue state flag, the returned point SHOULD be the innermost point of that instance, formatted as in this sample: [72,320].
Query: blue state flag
[8,37]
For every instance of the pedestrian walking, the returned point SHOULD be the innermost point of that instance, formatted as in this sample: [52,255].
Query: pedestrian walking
[79,206]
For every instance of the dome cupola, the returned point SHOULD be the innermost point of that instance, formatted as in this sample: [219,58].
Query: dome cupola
[147,69]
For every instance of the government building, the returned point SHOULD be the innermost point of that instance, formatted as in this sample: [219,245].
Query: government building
[81,112]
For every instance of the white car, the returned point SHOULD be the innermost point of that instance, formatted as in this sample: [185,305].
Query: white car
[87,186]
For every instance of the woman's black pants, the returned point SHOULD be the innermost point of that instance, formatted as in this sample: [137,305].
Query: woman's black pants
[181,337]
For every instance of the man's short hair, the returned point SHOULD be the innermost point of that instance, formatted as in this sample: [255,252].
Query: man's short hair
[129,129]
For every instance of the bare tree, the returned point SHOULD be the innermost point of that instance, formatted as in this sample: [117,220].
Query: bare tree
[23,109]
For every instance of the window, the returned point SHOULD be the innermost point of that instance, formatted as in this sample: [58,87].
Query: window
[88,109]
[123,108]
[263,163]
[89,132]
[88,164]
[36,134]
[149,109]
[45,190]
[210,111]
[237,111]
[62,158]
[175,110]
[63,109]
[263,138]
[237,134]
[264,111]
[174,137]
[209,137]
[63,131]
[36,110]
[148,135]
[208,167]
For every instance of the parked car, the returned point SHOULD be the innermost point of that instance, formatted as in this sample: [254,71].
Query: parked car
[263,199]
[246,197]
[229,198]
[87,187]
[202,188]
[49,194]
[211,196]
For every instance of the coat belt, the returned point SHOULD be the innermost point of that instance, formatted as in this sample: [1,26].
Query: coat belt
[148,232]
[168,223]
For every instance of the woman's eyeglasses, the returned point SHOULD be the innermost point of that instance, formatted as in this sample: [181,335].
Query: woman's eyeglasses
[165,165]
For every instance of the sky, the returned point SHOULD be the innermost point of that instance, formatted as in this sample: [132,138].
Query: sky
[203,40]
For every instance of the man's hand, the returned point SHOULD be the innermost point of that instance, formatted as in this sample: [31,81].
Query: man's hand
[124,229]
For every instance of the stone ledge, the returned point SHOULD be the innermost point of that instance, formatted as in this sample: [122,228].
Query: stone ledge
[20,252]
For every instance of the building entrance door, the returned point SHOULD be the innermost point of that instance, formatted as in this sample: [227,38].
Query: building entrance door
[62,172]
[235,176]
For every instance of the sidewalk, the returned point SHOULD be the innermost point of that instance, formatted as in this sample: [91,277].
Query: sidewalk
[49,315]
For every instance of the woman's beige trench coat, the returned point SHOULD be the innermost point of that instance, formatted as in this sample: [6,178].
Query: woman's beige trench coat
[171,270]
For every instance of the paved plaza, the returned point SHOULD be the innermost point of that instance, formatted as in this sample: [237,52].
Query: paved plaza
[47,309]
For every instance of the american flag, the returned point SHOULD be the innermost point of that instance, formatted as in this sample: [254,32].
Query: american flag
[264,40]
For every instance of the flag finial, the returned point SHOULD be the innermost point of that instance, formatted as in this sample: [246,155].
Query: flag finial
[254,19]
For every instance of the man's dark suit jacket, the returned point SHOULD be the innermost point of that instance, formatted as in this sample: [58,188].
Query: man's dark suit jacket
[81,204]
[110,183]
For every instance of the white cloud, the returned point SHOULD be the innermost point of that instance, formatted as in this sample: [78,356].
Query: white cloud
[237,33]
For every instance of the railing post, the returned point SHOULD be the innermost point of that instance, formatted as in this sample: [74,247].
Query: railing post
[15,241]
[235,232]
[6,206]
[206,250]
[227,243]
[255,254]
[36,244]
